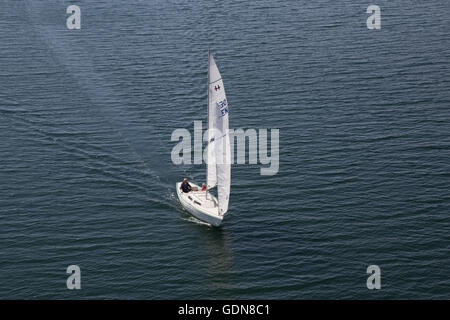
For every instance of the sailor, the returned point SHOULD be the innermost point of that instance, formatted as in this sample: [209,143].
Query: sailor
[203,187]
[185,186]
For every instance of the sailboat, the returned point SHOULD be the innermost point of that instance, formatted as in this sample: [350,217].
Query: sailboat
[201,203]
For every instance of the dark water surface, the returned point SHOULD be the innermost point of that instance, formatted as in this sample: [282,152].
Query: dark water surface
[86,176]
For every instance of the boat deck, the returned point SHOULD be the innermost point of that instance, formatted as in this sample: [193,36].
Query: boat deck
[199,197]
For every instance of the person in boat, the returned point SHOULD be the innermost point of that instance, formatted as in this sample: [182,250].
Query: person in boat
[203,187]
[185,186]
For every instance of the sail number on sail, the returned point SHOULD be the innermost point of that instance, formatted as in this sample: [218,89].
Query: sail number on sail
[223,106]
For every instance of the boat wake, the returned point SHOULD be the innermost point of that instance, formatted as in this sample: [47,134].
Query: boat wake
[195,220]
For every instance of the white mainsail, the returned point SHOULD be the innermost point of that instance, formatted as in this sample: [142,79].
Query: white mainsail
[218,169]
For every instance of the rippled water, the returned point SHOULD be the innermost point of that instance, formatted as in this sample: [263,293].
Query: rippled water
[86,176]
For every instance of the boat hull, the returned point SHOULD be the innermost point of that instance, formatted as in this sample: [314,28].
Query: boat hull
[197,205]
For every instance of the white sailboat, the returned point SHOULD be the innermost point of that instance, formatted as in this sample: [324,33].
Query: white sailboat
[202,204]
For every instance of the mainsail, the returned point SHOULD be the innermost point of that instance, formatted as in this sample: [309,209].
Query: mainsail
[218,168]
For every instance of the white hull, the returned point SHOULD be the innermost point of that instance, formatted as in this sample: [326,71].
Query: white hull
[196,203]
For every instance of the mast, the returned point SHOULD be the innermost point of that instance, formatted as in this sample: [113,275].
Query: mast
[207,107]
